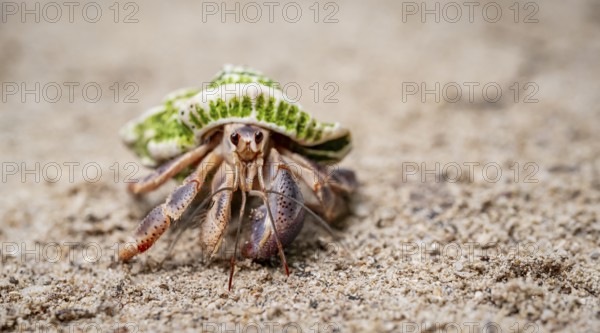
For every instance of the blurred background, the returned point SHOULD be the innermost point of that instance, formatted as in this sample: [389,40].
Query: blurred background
[472,122]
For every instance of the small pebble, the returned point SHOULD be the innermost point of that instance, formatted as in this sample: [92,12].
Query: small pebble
[458,266]
[362,210]
[387,213]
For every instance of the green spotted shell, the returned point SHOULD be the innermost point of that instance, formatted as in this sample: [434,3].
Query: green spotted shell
[236,95]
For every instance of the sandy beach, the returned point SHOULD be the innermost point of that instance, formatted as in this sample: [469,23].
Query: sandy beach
[476,145]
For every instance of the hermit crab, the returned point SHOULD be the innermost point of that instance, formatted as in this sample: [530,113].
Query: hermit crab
[244,136]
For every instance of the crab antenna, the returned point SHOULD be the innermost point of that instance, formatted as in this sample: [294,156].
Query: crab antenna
[181,229]
[237,239]
[318,218]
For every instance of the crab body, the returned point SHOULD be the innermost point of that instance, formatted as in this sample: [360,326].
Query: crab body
[244,135]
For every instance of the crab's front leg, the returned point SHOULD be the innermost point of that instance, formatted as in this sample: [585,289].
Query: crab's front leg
[218,216]
[287,214]
[161,217]
[330,188]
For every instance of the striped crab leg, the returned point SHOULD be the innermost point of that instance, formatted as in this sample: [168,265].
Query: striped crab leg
[218,216]
[170,169]
[160,218]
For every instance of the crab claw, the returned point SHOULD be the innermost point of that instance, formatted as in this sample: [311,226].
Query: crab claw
[288,215]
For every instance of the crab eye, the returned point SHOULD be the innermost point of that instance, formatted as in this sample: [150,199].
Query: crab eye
[258,137]
[235,138]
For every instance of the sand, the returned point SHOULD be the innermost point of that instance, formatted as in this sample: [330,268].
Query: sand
[437,238]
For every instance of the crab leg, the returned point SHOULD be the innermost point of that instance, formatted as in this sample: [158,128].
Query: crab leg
[219,215]
[169,169]
[329,189]
[161,217]
[237,239]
